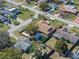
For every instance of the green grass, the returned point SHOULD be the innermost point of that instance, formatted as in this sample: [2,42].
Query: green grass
[12,39]
[25,14]
[77,4]
[75,30]
[72,16]
[4,27]
[56,24]
[32,3]
[15,22]
[18,0]
[69,16]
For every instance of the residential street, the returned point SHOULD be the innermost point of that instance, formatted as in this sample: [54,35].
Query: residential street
[48,15]
[19,27]
[25,23]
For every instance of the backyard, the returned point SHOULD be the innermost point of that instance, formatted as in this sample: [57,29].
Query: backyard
[25,14]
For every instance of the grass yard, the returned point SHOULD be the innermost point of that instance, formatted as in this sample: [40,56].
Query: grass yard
[69,16]
[77,4]
[55,23]
[32,3]
[4,27]
[18,0]
[75,30]
[25,14]
[12,39]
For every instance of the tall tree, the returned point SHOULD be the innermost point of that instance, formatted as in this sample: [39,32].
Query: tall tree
[43,6]
[38,54]
[4,40]
[61,46]
[10,53]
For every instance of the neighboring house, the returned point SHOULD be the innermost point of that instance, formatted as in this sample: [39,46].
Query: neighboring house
[7,13]
[4,20]
[77,20]
[23,44]
[15,11]
[64,34]
[1,2]
[76,54]
[69,9]
[44,27]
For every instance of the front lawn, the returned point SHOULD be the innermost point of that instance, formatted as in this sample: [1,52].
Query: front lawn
[25,14]
[77,4]
[18,0]
[75,30]
[32,3]
[56,24]
[12,39]
[4,27]
[69,16]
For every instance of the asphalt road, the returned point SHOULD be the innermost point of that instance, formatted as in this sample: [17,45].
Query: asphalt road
[25,23]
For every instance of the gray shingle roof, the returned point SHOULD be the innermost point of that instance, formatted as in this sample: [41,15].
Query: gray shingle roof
[62,34]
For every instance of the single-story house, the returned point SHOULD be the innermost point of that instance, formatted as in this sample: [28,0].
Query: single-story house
[4,19]
[15,11]
[77,20]
[69,9]
[7,13]
[24,44]
[61,34]
[44,27]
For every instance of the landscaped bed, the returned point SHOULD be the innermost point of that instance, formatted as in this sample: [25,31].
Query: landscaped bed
[25,14]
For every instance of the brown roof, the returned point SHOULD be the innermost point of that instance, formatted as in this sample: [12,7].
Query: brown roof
[68,36]
[68,8]
[44,27]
